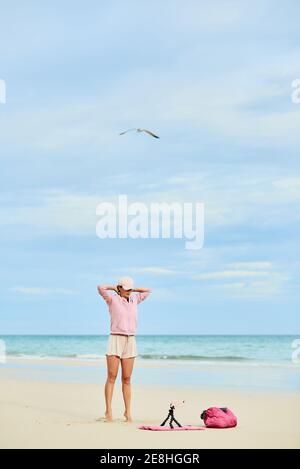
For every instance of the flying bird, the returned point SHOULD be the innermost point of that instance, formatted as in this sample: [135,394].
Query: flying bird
[140,130]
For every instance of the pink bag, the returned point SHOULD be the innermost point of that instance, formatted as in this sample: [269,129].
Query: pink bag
[219,417]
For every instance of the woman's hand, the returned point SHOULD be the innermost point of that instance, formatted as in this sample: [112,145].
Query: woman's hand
[141,290]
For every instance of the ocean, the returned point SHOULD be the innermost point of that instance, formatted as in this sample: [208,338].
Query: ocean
[246,349]
[233,361]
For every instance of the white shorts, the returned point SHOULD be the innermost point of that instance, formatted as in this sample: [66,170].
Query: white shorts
[124,346]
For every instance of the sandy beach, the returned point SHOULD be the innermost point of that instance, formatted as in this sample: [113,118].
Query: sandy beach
[51,414]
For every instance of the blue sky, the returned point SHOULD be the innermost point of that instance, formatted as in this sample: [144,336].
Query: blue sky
[213,79]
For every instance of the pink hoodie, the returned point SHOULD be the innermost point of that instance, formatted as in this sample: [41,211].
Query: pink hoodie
[123,313]
[219,417]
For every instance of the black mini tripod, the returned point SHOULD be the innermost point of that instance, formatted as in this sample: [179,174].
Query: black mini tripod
[171,417]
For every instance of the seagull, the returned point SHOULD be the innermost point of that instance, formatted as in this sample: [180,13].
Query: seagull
[140,130]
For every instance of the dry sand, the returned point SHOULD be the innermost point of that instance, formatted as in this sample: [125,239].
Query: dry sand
[45,414]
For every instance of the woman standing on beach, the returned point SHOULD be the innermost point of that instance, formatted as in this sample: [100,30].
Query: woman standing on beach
[121,343]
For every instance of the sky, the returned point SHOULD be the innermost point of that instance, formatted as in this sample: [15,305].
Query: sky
[214,80]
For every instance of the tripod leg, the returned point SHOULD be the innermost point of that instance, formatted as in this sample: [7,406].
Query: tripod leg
[176,421]
[164,422]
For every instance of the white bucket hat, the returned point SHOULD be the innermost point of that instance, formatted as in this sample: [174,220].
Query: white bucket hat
[126,283]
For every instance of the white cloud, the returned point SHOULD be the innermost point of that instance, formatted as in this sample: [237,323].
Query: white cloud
[256,281]
[234,198]
[185,104]
[228,286]
[40,291]
[231,274]
[263,289]
[251,265]
[288,189]
[55,211]
[154,270]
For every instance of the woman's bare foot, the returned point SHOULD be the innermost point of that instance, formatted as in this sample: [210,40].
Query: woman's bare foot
[127,416]
[108,417]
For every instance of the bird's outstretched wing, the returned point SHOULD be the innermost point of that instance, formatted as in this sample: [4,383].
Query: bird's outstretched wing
[140,130]
[125,131]
[150,133]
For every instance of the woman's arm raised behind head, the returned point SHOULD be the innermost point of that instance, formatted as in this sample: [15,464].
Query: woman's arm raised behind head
[103,291]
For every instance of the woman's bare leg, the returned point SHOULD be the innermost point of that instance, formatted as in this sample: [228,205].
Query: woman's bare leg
[112,362]
[127,367]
